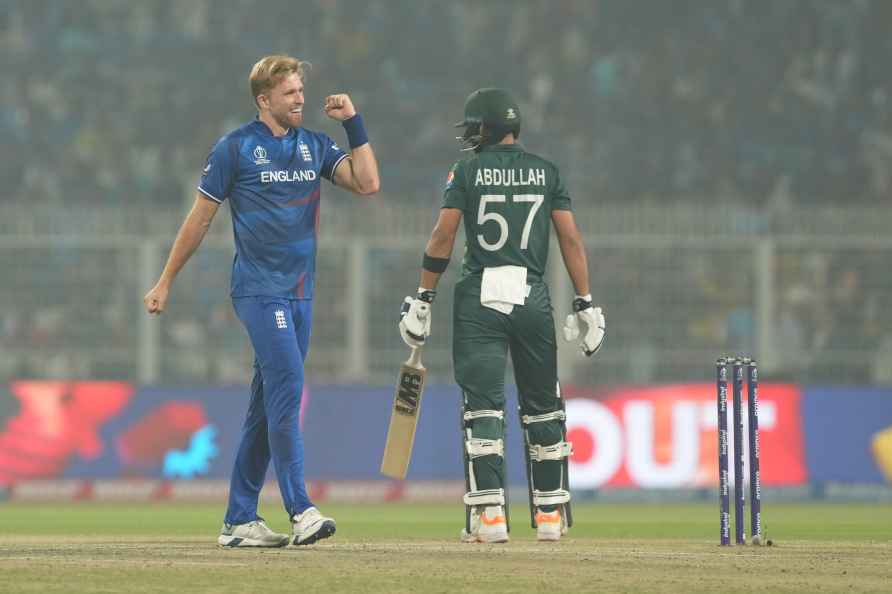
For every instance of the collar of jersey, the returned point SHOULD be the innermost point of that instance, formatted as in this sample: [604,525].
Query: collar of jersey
[264,129]
[502,147]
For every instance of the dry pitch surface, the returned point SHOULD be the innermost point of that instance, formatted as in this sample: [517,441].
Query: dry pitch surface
[87,548]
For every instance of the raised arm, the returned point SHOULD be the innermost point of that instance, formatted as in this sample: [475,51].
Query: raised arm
[189,237]
[358,173]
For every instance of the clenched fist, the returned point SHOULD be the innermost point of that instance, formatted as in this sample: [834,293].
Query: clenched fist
[339,107]
[156,299]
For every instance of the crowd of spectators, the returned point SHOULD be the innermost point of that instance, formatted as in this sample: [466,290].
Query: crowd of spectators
[108,102]
[782,104]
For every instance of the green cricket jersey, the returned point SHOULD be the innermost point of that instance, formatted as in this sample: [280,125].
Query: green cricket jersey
[507,196]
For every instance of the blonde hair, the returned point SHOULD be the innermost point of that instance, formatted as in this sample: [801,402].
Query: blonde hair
[271,70]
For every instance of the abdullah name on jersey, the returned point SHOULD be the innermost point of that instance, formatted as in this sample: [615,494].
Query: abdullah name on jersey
[507,196]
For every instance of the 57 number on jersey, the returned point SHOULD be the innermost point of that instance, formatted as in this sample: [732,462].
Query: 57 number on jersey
[484,217]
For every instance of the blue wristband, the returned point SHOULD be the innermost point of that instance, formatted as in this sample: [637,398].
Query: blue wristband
[356,135]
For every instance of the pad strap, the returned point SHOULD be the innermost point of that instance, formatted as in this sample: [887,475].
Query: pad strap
[485,497]
[479,414]
[556,497]
[558,451]
[477,447]
[557,415]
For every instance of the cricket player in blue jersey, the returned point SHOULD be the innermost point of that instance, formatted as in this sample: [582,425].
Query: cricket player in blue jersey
[270,171]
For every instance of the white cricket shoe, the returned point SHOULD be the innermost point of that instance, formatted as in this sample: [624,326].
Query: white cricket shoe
[549,525]
[310,526]
[252,534]
[491,526]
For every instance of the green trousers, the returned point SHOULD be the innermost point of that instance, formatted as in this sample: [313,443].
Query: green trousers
[482,339]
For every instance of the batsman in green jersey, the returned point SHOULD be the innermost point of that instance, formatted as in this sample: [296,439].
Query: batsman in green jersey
[509,199]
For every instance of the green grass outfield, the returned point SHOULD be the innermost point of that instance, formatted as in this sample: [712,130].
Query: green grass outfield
[86,548]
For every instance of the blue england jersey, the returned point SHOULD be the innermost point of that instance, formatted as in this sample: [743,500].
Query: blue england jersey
[273,187]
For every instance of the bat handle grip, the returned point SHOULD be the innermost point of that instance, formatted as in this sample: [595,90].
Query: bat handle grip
[415,358]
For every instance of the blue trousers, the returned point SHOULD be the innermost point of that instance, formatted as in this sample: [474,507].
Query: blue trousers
[280,333]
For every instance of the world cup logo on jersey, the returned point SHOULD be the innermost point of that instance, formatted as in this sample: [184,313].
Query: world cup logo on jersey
[260,156]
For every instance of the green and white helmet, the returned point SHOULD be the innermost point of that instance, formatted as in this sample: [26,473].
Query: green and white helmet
[490,114]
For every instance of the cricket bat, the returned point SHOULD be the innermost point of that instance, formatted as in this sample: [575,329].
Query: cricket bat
[404,417]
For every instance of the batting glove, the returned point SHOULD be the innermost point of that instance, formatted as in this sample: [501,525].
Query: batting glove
[415,318]
[595,325]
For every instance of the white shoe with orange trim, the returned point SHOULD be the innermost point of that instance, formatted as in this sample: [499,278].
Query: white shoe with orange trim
[549,525]
[487,527]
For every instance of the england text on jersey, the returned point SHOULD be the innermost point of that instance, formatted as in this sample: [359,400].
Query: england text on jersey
[287,176]
[510,177]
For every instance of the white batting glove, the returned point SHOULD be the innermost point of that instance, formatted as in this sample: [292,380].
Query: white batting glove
[595,325]
[415,318]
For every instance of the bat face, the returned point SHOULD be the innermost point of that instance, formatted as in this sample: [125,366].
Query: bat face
[403,421]
[408,392]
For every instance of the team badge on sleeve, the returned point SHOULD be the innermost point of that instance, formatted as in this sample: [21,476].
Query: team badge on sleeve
[450,178]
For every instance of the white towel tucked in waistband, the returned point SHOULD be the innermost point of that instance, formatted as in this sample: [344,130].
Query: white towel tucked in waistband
[503,287]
